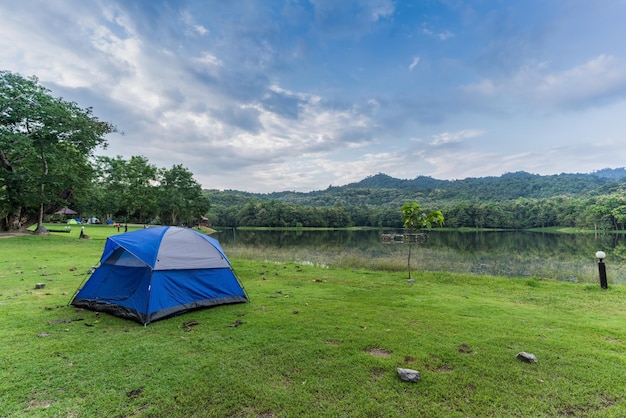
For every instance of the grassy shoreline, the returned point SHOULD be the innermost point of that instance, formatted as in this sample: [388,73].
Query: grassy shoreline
[313,342]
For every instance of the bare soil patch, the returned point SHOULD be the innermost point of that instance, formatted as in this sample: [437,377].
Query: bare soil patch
[13,234]
[378,352]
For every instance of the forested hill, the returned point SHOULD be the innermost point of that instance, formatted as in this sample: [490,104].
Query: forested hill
[382,190]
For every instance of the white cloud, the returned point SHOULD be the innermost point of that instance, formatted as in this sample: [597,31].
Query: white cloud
[593,82]
[382,9]
[452,137]
[442,36]
[414,63]
[210,63]
[598,77]
[200,29]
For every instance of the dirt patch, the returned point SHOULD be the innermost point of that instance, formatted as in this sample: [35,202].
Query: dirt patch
[465,349]
[441,369]
[378,352]
[438,365]
[35,403]
[13,234]
[377,373]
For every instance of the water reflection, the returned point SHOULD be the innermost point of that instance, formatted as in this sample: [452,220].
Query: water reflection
[509,253]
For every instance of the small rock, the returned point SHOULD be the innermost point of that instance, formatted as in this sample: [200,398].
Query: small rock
[527,357]
[40,285]
[409,375]
[411,280]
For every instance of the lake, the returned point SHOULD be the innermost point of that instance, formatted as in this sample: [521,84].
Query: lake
[569,257]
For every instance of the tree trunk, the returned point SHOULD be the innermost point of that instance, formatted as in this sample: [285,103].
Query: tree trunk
[409,258]
[11,222]
[41,230]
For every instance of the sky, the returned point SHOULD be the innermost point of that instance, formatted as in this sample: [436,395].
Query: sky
[298,95]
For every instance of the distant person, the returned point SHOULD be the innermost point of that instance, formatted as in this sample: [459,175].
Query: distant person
[118,227]
[125,227]
[82,232]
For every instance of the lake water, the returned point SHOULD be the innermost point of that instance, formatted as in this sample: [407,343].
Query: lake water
[569,257]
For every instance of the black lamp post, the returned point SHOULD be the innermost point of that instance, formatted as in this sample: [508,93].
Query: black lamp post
[602,269]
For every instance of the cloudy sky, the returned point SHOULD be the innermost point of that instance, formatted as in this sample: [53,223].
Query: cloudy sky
[273,95]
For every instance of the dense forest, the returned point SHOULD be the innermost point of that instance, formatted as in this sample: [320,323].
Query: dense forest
[514,201]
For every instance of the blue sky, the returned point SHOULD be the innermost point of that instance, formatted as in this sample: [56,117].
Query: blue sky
[298,95]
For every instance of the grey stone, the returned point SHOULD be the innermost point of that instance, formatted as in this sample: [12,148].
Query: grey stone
[409,375]
[527,357]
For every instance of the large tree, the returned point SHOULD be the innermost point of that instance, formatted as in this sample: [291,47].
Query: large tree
[180,196]
[128,188]
[45,149]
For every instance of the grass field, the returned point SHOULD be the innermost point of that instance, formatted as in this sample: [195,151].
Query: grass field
[312,342]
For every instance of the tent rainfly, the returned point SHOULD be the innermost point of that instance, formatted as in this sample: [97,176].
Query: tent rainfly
[155,273]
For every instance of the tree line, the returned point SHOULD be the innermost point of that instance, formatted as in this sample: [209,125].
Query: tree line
[136,191]
[602,212]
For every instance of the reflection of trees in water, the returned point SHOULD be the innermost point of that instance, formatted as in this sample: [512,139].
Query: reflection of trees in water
[525,243]
[509,253]
[301,238]
[497,242]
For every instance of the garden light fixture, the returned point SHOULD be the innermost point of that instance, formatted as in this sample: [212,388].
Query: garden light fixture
[600,255]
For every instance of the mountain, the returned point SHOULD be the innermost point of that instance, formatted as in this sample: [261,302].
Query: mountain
[615,174]
[382,190]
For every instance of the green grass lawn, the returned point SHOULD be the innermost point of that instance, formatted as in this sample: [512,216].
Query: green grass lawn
[312,342]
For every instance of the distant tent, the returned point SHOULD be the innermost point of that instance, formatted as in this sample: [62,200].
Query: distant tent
[154,273]
[72,221]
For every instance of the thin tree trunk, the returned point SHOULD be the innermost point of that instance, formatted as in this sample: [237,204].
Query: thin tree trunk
[409,258]
[40,228]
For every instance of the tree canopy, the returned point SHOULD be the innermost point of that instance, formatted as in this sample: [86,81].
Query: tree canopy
[415,219]
[135,190]
[45,149]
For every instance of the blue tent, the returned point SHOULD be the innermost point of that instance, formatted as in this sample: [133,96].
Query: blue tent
[154,273]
